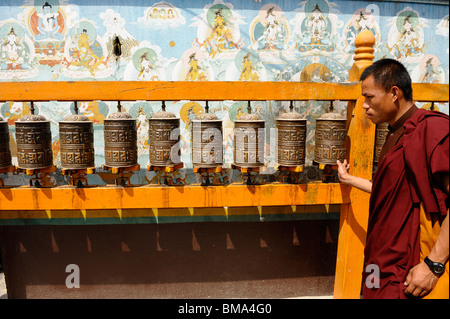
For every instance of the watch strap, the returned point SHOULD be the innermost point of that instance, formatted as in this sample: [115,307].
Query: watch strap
[436,267]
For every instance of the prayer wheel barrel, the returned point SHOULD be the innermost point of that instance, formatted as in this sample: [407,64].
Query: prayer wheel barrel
[380,137]
[249,141]
[164,138]
[5,152]
[330,139]
[120,135]
[34,142]
[207,148]
[76,136]
[291,129]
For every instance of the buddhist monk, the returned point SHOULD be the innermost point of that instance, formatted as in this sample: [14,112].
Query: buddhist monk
[407,235]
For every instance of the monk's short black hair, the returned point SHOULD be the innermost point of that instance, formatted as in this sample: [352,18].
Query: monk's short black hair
[388,73]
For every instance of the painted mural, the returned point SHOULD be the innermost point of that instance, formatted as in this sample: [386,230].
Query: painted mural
[208,40]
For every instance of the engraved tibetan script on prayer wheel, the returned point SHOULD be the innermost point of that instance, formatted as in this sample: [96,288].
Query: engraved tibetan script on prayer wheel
[330,139]
[207,149]
[34,142]
[120,140]
[5,152]
[249,140]
[291,128]
[76,136]
[164,138]
[380,137]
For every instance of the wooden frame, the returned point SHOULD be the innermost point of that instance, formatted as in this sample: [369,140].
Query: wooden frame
[360,143]
[196,91]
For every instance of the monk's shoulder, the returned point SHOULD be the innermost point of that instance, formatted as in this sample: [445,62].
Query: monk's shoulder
[435,129]
[434,121]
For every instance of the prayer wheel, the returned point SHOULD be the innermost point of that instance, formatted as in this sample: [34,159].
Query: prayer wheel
[249,140]
[330,139]
[164,138]
[34,142]
[380,137]
[120,135]
[76,136]
[5,153]
[207,149]
[291,128]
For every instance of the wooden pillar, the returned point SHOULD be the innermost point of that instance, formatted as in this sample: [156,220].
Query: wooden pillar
[354,216]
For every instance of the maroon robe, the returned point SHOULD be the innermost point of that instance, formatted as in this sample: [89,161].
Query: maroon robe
[407,176]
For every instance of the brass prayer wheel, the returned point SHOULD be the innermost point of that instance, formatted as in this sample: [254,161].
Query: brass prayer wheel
[120,135]
[164,138]
[76,136]
[207,148]
[249,140]
[330,139]
[5,152]
[380,137]
[34,142]
[291,128]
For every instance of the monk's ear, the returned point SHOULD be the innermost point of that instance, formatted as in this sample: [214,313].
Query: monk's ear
[396,93]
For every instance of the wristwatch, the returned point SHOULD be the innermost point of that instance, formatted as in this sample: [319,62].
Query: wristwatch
[437,268]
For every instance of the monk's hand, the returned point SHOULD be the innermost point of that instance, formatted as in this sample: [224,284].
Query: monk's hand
[343,170]
[420,280]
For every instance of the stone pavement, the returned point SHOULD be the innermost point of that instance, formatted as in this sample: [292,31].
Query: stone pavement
[3,294]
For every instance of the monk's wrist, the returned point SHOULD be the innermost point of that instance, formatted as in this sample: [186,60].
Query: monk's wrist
[439,258]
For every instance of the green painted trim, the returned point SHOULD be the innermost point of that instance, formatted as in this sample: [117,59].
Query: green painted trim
[168,220]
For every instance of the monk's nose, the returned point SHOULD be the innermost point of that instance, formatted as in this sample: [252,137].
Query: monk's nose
[365,106]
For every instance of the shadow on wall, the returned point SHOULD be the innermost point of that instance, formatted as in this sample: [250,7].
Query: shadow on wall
[189,260]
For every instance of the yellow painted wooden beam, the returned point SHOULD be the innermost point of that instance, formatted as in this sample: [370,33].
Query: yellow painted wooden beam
[91,198]
[213,91]
[430,92]
[175,91]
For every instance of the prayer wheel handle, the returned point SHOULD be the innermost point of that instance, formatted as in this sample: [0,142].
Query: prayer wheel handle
[32,107]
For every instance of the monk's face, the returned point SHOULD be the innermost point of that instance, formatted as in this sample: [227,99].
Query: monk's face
[379,104]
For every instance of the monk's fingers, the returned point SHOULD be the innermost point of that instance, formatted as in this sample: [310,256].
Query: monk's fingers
[343,164]
[409,289]
[346,164]
[424,292]
[415,290]
[419,292]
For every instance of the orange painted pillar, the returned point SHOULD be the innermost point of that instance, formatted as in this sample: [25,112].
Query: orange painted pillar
[354,216]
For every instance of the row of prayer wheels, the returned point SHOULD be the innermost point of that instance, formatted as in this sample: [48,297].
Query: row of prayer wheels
[34,150]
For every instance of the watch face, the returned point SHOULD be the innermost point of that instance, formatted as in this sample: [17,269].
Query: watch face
[439,269]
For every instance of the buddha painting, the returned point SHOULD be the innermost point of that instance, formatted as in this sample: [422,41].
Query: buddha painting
[48,25]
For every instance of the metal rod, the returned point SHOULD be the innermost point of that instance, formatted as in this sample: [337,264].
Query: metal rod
[163,106]
[119,106]
[207,107]
[249,107]
[75,107]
